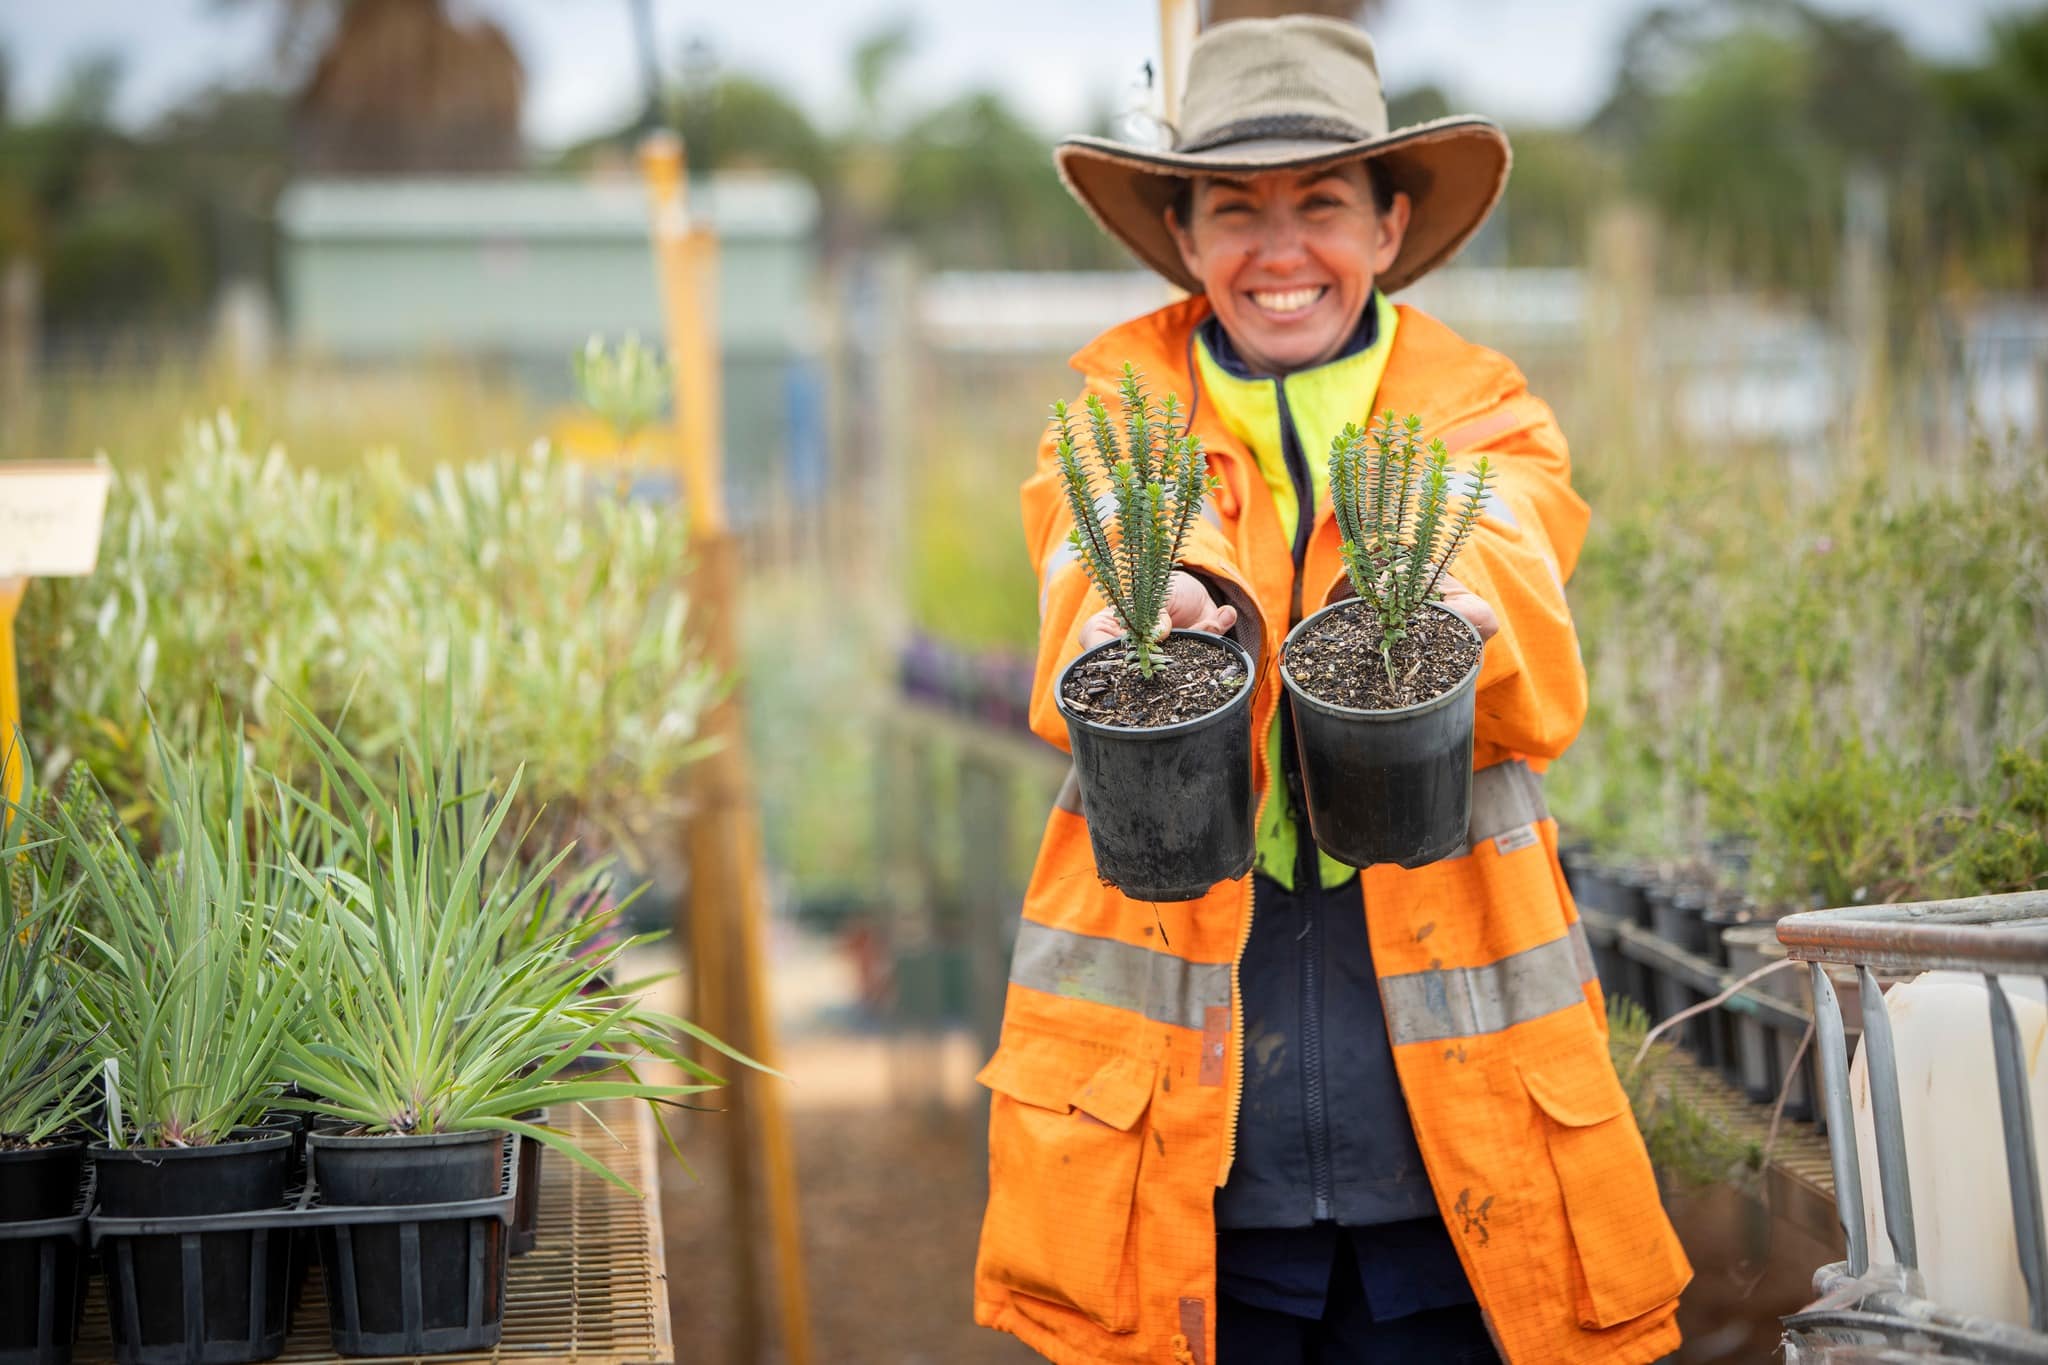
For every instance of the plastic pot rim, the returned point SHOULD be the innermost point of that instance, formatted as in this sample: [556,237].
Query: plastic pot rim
[388,1141]
[1302,696]
[244,1139]
[1242,697]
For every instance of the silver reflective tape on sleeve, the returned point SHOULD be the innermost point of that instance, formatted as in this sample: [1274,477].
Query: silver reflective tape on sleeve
[1104,971]
[1462,1002]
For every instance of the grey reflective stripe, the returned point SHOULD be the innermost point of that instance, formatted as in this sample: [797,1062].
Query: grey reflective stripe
[1505,796]
[1163,988]
[1461,1002]
[1210,514]
[1582,953]
[1062,555]
[1461,485]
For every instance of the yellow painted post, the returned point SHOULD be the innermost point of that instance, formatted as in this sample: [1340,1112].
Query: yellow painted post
[727,905]
[11,590]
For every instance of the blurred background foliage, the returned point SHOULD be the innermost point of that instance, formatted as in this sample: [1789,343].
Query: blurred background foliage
[1833,652]
[1734,120]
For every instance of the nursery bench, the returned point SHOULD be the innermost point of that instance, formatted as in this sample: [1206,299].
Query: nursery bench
[594,1289]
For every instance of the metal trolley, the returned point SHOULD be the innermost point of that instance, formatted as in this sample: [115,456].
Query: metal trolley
[1864,1316]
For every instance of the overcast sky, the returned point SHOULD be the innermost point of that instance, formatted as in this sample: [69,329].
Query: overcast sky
[1518,60]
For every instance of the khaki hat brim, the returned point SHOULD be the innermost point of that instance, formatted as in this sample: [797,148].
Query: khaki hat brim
[1453,169]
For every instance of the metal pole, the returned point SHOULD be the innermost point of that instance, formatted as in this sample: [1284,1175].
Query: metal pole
[2010,1058]
[1834,1071]
[1888,1117]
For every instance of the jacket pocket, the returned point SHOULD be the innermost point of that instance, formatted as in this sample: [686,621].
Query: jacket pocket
[1064,1148]
[1629,1259]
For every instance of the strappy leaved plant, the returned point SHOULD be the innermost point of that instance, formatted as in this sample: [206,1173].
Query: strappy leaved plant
[45,1067]
[198,974]
[1154,479]
[448,1001]
[1394,505]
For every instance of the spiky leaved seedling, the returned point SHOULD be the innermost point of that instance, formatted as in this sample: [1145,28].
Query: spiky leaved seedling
[1393,502]
[1156,477]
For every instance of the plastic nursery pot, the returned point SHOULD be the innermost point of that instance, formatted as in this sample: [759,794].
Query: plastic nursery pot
[247,1172]
[1755,1043]
[413,1285]
[203,1293]
[42,1278]
[1385,786]
[526,1204]
[1169,807]
[40,1182]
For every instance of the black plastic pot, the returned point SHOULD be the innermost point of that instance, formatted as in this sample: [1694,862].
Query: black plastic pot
[1385,786]
[416,1257]
[1169,807]
[42,1272]
[526,1203]
[1723,913]
[293,1122]
[209,1290]
[40,1182]
[1755,1041]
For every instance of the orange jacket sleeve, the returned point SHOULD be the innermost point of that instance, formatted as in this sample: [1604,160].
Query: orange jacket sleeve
[1066,597]
[1532,683]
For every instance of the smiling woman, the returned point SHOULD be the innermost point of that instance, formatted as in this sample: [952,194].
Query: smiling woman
[1261,1125]
[1288,258]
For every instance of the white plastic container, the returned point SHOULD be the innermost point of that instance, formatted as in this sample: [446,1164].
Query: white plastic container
[1955,1144]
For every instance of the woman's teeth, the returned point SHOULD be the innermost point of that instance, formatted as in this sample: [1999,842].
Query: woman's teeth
[1286,300]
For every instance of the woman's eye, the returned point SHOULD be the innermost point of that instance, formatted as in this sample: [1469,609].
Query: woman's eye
[1231,210]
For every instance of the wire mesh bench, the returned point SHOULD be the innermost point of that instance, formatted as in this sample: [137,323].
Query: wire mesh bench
[594,1289]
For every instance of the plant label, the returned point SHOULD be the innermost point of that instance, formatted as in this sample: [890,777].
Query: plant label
[50,516]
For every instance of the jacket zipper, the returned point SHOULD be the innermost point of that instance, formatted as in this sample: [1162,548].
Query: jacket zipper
[1308,879]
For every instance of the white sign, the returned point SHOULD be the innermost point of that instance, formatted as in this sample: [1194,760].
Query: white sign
[50,514]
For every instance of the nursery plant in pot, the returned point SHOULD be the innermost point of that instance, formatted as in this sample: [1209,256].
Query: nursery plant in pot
[1159,721]
[446,1011]
[1382,683]
[190,988]
[43,1074]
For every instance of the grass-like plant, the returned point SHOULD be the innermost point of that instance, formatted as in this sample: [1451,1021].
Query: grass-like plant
[45,1066]
[1394,507]
[1153,479]
[195,978]
[450,999]
[626,385]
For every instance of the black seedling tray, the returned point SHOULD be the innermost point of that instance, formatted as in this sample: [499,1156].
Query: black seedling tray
[407,1279]
[42,1284]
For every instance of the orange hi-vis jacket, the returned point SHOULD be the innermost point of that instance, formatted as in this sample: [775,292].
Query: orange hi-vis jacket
[1115,1084]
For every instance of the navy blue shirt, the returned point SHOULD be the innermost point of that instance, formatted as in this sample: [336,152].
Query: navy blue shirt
[1325,1147]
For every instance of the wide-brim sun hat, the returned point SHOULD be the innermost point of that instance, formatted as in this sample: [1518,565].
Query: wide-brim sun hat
[1290,94]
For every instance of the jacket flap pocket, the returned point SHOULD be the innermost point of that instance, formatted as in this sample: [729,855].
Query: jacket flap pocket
[1062,1074]
[1118,1092]
[1576,1092]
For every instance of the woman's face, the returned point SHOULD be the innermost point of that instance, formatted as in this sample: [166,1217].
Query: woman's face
[1288,258]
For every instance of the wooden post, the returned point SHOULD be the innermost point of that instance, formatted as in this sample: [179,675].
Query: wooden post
[1179,22]
[727,905]
[11,739]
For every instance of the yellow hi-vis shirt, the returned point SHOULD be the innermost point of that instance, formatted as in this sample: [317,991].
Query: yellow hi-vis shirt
[1320,402]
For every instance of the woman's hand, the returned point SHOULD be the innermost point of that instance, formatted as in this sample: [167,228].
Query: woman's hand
[1188,607]
[1471,606]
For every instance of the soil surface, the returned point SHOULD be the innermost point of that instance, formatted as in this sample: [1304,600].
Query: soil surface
[1191,676]
[1337,660]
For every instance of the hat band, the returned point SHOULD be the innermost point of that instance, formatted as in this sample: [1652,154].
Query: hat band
[1309,127]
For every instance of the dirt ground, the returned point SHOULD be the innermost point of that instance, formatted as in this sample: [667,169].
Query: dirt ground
[891,1208]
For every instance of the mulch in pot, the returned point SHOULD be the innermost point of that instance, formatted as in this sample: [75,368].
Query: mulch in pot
[1190,678]
[1337,659]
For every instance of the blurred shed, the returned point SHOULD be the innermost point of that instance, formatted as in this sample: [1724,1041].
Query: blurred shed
[517,271]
